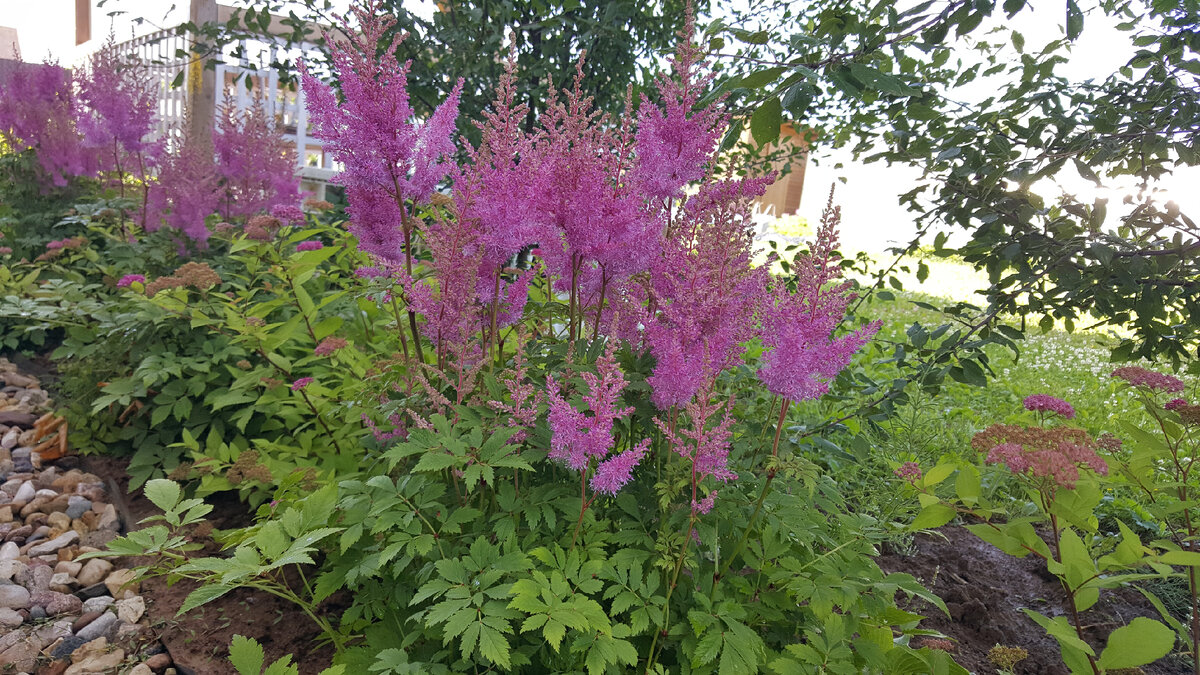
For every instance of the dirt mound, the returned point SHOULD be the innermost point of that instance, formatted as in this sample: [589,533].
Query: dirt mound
[985,591]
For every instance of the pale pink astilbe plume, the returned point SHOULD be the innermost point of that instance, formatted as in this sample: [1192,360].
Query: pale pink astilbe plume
[256,164]
[703,444]
[676,142]
[801,356]
[388,156]
[524,398]
[38,110]
[186,191]
[448,298]
[577,437]
[117,112]
[706,291]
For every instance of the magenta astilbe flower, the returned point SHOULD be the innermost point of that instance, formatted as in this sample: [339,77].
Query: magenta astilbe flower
[388,157]
[705,505]
[129,279]
[186,193]
[706,446]
[256,165]
[119,102]
[706,291]
[615,472]
[1141,377]
[1047,403]
[310,245]
[452,313]
[674,143]
[301,383]
[524,399]
[576,437]
[801,355]
[37,110]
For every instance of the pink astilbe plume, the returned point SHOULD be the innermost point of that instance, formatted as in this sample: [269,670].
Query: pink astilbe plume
[388,156]
[524,399]
[577,438]
[801,356]
[118,108]
[676,142]
[703,444]
[257,166]
[497,186]
[706,290]
[37,110]
[451,304]
[186,192]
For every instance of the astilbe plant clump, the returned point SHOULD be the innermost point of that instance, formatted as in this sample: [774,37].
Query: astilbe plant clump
[38,107]
[186,192]
[118,110]
[573,307]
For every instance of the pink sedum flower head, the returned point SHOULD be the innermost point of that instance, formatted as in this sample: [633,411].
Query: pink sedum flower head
[909,471]
[1051,404]
[1141,377]
[801,355]
[310,245]
[1175,404]
[388,156]
[301,383]
[130,279]
[329,345]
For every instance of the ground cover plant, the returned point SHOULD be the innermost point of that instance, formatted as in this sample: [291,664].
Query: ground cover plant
[534,402]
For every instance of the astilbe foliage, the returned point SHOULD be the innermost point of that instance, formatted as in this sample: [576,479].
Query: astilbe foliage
[801,356]
[389,158]
[256,165]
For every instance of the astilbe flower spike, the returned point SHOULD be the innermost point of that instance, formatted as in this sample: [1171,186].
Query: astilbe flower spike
[117,113]
[187,191]
[256,164]
[675,142]
[37,110]
[800,355]
[578,438]
[388,156]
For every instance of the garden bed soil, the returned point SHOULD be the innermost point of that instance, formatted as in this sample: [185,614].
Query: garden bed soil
[199,641]
[985,590]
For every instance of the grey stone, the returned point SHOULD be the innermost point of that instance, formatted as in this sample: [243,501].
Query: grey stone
[9,551]
[37,612]
[10,569]
[24,493]
[68,645]
[130,610]
[14,597]
[98,604]
[106,626]
[65,539]
[77,506]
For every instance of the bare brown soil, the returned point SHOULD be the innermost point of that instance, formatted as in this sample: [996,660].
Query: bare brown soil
[199,641]
[985,590]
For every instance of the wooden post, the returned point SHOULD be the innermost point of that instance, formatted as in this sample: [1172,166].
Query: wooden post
[201,83]
[83,21]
